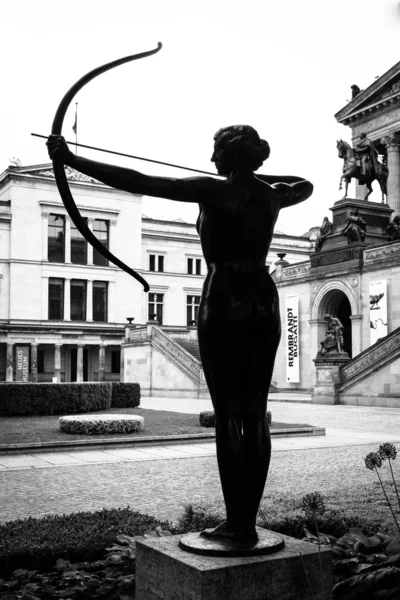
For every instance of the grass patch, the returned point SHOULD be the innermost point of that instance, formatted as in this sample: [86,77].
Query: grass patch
[20,430]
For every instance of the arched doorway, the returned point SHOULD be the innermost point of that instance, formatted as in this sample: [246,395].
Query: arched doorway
[337,304]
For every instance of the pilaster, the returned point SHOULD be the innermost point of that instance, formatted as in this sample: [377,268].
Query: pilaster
[67,239]
[89,300]
[34,373]
[89,246]
[10,362]
[57,361]
[67,299]
[102,362]
[79,363]
[45,235]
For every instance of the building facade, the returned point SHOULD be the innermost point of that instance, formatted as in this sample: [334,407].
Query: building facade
[63,307]
[356,281]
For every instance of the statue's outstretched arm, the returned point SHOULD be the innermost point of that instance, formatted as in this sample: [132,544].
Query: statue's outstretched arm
[189,189]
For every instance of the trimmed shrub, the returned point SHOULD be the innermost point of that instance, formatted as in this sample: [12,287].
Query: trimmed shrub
[207,418]
[27,399]
[38,543]
[101,424]
[125,395]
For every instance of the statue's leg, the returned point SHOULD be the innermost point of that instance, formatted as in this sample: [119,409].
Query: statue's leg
[222,350]
[264,336]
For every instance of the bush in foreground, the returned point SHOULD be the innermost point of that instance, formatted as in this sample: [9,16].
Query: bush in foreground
[38,543]
[207,418]
[101,424]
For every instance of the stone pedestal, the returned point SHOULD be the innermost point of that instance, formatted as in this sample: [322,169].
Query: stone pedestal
[328,377]
[165,571]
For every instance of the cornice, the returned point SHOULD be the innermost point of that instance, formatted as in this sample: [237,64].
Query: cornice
[355,106]
[104,209]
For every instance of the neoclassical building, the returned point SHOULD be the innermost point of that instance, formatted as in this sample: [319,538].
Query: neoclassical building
[63,308]
[356,281]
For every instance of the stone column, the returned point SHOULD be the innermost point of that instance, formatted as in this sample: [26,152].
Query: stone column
[102,362]
[89,300]
[45,235]
[67,299]
[79,363]
[57,361]
[89,246]
[10,362]
[356,328]
[67,239]
[392,143]
[122,365]
[34,374]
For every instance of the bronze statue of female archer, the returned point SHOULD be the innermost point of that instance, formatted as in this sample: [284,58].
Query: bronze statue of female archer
[238,322]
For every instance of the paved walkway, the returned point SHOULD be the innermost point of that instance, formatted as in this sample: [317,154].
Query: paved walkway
[159,479]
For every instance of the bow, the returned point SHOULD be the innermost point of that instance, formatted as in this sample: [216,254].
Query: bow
[59,171]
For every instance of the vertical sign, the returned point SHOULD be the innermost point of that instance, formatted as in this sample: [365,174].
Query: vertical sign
[292,340]
[22,370]
[377,310]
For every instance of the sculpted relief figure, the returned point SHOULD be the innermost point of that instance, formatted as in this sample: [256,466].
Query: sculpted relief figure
[238,322]
[392,231]
[333,341]
[324,231]
[355,228]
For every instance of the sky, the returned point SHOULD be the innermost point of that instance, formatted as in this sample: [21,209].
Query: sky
[283,67]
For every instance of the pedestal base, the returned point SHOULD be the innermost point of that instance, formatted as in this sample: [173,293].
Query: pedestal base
[165,571]
[197,544]
[328,377]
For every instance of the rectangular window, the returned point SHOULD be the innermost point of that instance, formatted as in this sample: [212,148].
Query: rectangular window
[78,300]
[115,361]
[78,246]
[101,231]
[156,303]
[56,299]
[192,309]
[56,238]
[100,301]
[194,266]
[156,262]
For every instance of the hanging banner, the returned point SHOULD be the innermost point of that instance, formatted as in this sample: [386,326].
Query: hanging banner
[292,339]
[22,366]
[377,310]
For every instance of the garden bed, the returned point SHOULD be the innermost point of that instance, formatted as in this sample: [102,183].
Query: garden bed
[27,430]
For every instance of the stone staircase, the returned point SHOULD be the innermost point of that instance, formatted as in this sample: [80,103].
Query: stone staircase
[165,361]
[359,384]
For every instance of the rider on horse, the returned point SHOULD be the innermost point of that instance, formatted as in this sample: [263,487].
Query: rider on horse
[367,158]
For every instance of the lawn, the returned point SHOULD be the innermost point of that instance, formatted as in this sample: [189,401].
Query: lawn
[19,430]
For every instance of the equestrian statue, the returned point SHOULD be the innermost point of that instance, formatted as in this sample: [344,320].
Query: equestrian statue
[361,162]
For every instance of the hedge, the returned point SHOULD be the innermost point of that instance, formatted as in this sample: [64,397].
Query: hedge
[27,399]
[125,395]
[37,543]
[101,424]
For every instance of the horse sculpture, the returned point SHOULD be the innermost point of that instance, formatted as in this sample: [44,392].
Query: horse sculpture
[351,169]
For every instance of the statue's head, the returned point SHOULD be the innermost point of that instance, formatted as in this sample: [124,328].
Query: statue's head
[238,147]
[327,317]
